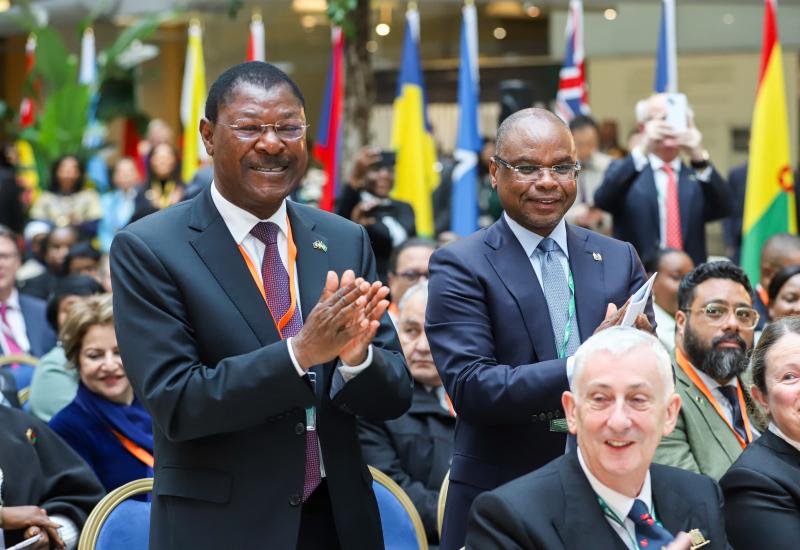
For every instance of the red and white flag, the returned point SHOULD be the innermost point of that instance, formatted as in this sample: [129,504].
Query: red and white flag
[255,47]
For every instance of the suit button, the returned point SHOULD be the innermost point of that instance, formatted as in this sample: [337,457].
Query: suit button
[294,500]
[542,416]
[299,428]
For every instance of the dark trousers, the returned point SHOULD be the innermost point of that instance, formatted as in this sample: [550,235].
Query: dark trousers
[317,527]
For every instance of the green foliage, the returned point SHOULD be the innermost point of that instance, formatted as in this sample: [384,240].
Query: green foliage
[339,12]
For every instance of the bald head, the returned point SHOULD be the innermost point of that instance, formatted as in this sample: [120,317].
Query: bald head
[779,251]
[530,119]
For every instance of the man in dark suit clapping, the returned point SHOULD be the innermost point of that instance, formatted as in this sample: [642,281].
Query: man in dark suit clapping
[250,331]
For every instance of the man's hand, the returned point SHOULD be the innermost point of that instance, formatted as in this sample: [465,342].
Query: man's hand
[361,213]
[655,131]
[682,542]
[365,158]
[614,316]
[355,351]
[335,320]
[691,142]
[35,521]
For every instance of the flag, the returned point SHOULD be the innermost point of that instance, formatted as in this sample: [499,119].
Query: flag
[769,204]
[666,77]
[93,136]
[464,203]
[415,171]
[572,99]
[27,170]
[193,99]
[255,47]
[328,147]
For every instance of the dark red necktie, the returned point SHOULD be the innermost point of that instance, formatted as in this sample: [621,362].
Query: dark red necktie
[279,300]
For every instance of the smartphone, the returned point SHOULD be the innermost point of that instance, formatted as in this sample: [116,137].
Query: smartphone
[677,112]
[388,158]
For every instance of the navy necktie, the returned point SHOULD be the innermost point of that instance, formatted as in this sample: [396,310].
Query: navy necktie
[649,534]
[732,396]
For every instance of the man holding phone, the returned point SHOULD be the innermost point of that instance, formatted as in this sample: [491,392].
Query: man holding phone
[365,200]
[656,199]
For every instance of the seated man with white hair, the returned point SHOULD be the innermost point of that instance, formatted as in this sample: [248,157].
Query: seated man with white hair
[608,494]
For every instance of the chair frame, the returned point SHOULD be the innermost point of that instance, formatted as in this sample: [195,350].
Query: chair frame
[405,501]
[441,502]
[23,358]
[95,521]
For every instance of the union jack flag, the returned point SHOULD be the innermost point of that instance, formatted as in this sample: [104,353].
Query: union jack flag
[572,99]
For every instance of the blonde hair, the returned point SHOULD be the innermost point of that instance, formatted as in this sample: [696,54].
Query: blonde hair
[84,314]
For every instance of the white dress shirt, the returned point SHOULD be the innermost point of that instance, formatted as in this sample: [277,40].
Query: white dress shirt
[16,324]
[620,504]
[777,431]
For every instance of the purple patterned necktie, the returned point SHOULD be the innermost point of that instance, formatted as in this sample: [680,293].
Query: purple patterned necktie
[276,288]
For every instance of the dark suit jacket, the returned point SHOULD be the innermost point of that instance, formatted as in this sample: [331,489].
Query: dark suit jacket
[8,387]
[41,335]
[490,334]
[632,199]
[378,232]
[732,225]
[40,469]
[556,508]
[228,407]
[762,495]
[415,451]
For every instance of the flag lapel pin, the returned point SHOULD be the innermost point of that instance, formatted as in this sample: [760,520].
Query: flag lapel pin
[597,256]
[319,245]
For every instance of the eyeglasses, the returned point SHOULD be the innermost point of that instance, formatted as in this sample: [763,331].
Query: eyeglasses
[248,130]
[412,276]
[717,314]
[529,173]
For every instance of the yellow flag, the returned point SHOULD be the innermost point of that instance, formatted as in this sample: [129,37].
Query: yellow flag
[193,100]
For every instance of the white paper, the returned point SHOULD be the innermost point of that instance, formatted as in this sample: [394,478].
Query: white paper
[26,543]
[638,301]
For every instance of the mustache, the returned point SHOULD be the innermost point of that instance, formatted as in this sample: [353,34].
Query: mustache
[729,338]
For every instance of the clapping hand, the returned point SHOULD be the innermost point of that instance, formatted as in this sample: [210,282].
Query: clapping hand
[35,522]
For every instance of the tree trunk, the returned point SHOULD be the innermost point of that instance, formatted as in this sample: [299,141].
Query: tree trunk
[359,83]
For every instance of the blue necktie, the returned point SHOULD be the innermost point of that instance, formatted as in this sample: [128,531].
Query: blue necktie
[732,396]
[557,294]
[649,534]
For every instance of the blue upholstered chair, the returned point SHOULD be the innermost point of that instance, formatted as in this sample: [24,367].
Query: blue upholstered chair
[23,374]
[402,526]
[119,522]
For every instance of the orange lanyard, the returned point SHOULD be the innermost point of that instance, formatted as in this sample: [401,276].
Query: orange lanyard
[135,449]
[763,294]
[684,364]
[257,278]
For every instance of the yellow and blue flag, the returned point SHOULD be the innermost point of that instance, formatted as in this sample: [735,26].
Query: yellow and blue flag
[415,172]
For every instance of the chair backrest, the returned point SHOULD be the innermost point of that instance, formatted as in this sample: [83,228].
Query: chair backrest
[118,523]
[440,504]
[23,374]
[402,526]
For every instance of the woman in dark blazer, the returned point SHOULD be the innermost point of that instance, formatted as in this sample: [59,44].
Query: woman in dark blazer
[762,488]
[105,423]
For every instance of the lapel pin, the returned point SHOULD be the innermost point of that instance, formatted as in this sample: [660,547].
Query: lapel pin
[319,245]
[597,256]
[31,435]
[698,540]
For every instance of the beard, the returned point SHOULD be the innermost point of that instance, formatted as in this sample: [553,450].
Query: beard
[721,364]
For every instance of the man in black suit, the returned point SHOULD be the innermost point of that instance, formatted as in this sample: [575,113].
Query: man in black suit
[607,494]
[658,201]
[254,403]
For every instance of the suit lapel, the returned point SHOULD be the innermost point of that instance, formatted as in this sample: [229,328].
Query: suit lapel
[584,525]
[699,406]
[312,261]
[587,273]
[649,181]
[216,247]
[514,269]
[672,509]
[687,180]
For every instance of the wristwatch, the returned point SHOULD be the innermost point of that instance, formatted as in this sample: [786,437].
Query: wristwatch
[701,164]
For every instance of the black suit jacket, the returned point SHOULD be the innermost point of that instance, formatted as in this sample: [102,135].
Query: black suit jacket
[556,508]
[632,199]
[491,338]
[762,495]
[228,407]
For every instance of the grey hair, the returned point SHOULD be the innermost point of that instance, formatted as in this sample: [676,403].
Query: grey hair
[421,286]
[618,341]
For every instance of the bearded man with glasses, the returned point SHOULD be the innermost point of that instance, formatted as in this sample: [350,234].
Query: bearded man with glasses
[713,338]
[509,306]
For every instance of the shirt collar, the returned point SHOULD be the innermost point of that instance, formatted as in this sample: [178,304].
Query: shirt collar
[656,163]
[530,240]
[240,221]
[712,384]
[13,300]
[619,503]
[777,431]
